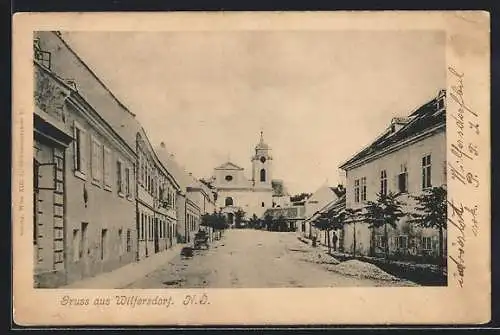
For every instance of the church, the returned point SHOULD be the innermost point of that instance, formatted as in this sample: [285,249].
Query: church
[235,191]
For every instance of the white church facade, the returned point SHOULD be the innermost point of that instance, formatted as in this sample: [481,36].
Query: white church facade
[252,195]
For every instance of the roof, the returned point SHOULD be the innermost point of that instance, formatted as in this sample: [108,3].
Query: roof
[168,161]
[426,117]
[228,166]
[262,144]
[92,89]
[339,190]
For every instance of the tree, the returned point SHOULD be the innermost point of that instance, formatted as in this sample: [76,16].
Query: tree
[323,223]
[239,216]
[385,211]
[268,221]
[254,222]
[281,224]
[432,213]
[350,216]
[337,221]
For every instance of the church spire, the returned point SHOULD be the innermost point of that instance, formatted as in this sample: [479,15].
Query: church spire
[261,144]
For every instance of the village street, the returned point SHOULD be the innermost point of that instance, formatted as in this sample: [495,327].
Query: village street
[254,259]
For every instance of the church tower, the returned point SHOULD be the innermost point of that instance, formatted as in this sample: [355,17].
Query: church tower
[261,164]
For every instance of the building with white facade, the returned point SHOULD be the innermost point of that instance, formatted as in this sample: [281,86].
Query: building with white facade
[408,158]
[238,192]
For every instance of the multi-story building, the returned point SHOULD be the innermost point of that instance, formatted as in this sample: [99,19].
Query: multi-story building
[156,201]
[188,210]
[95,176]
[408,158]
[52,138]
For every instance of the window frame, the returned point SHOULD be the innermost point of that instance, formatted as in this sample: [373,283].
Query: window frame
[403,172]
[383,182]
[79,150]
[107,162]
[363,188]
[424,238]
[399,239]
[356,191]
[95,160]
[426,171]
[119,177]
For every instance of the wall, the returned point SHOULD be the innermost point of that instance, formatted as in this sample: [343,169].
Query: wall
[250,201]
[105,209]
[319,199]
[412,155]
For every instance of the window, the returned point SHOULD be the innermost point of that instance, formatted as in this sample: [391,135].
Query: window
[95,161]
[383,182]
[263,159]
[263,204]
[164,225]
[380,241]
[356,190]
[104,242]
[403,179]
[127,182]
[363,189]
[229,178]
[402,242]
[229,201]
[121,242]
[76,245]
[83,241]
[129,240]
[80,149]
[119,177]
[107,167]
[151,232]
[426,243]
[262,175]
[426,172]
[142,229]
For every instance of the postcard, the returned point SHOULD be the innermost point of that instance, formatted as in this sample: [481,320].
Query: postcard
[244,168]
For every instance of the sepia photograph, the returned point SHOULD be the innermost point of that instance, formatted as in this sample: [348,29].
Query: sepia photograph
[220,160]
[133,190]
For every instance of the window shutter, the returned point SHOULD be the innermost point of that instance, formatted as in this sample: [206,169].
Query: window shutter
[75,147]
[93,160]
[83,150]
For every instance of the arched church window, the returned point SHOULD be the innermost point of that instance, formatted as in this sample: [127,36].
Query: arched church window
[229,201]
[262,175]
[263,204]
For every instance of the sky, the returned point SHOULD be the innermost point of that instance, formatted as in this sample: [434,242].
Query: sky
[318,96]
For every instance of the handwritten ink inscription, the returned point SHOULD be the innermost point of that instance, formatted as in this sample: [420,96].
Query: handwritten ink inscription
[464,150]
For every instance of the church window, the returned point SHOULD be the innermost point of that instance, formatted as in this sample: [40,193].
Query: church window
[263,159]
[229,178]
[229,201]
[263,204]
[262,175]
